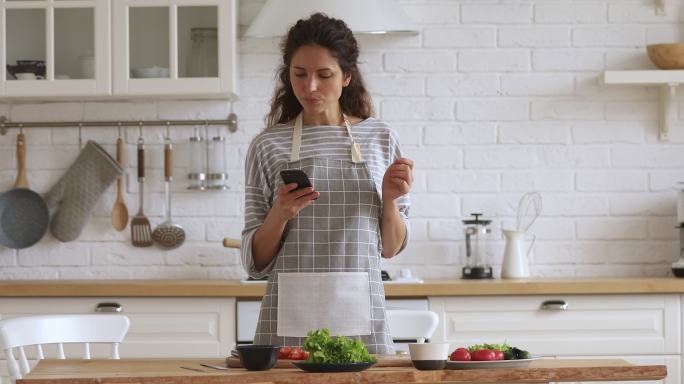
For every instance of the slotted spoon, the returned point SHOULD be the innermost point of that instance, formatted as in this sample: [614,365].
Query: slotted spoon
[168,234]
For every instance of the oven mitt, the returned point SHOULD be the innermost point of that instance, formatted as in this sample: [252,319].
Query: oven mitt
[77,192]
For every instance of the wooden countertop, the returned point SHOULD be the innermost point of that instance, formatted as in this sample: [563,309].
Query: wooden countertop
[221,288]
[169,371]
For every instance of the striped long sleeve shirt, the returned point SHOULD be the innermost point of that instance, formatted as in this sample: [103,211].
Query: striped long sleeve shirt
[271,149]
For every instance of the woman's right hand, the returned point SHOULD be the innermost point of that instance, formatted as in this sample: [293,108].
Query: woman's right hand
[290,202]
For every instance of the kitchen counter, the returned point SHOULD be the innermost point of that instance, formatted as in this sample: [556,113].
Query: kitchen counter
[165,371]
[222,288]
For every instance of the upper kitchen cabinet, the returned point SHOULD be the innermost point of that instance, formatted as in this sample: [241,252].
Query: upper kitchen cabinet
[55,47]
[179,47]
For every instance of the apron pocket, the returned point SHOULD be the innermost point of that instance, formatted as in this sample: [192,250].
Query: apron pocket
[338,301]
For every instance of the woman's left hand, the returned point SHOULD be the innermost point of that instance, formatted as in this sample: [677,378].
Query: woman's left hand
[398,179]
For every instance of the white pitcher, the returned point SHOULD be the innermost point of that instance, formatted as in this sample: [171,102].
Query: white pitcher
[515,264]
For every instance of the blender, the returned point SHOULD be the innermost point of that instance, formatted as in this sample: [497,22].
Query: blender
[476,234]
[678,266]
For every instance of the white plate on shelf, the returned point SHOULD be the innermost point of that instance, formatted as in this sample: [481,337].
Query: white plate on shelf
[150,73]
[519,363]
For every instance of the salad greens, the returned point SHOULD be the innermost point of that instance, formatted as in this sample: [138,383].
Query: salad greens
[323,348]
[510,352]
[495,347]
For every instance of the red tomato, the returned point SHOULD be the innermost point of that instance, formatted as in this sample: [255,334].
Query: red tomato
[483,355]
[284,352]
[296,354]
[460,354]
[498,355]
[305,355]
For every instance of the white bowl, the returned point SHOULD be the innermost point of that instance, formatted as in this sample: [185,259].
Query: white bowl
[429,356]
[429,351]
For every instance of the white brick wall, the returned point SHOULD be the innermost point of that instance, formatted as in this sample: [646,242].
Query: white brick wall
[491,100]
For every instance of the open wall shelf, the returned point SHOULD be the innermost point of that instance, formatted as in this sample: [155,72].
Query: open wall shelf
[667,80]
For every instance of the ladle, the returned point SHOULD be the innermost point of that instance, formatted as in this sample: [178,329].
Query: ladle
[168,234]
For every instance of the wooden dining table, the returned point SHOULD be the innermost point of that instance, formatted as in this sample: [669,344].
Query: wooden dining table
[186,371]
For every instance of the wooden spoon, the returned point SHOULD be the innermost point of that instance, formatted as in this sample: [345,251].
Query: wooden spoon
[22,180]
[119,211]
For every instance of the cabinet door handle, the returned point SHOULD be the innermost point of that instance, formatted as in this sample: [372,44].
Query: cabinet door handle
[554,305]
[109,307]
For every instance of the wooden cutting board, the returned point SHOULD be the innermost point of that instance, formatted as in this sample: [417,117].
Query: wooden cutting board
[166,371]
[383,361]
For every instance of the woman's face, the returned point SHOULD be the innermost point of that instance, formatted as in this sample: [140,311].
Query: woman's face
[317,79]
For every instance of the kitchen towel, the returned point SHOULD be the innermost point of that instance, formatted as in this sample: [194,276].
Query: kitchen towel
[75,194]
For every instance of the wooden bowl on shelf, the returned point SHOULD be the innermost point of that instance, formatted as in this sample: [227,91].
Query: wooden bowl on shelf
[666,56]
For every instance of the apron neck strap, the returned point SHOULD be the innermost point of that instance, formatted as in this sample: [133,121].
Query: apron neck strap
[297,140]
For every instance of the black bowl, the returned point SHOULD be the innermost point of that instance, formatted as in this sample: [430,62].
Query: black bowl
[678,271]
[258,357]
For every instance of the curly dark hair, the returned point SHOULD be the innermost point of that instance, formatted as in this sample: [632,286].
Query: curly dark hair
[334,35]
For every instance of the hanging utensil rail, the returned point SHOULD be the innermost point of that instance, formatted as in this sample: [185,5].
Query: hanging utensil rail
[230,122]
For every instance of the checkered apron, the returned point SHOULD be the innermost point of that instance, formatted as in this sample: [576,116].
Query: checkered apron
[339,232]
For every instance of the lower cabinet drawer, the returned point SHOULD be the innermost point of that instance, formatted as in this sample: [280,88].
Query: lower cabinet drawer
[592,325]
[160,327]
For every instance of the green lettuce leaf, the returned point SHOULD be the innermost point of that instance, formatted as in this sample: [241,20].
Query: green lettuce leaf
[324,348]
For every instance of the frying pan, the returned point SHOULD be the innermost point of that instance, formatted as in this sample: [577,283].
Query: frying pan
[24,215]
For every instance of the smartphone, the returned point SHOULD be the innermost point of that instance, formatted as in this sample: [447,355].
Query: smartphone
[298,176]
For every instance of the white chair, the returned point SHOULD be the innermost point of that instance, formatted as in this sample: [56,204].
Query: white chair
[38,331]
[408,324]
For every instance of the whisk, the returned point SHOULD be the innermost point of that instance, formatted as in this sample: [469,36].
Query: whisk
[529,208]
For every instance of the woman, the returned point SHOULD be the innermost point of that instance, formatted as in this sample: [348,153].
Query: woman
[321,246]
